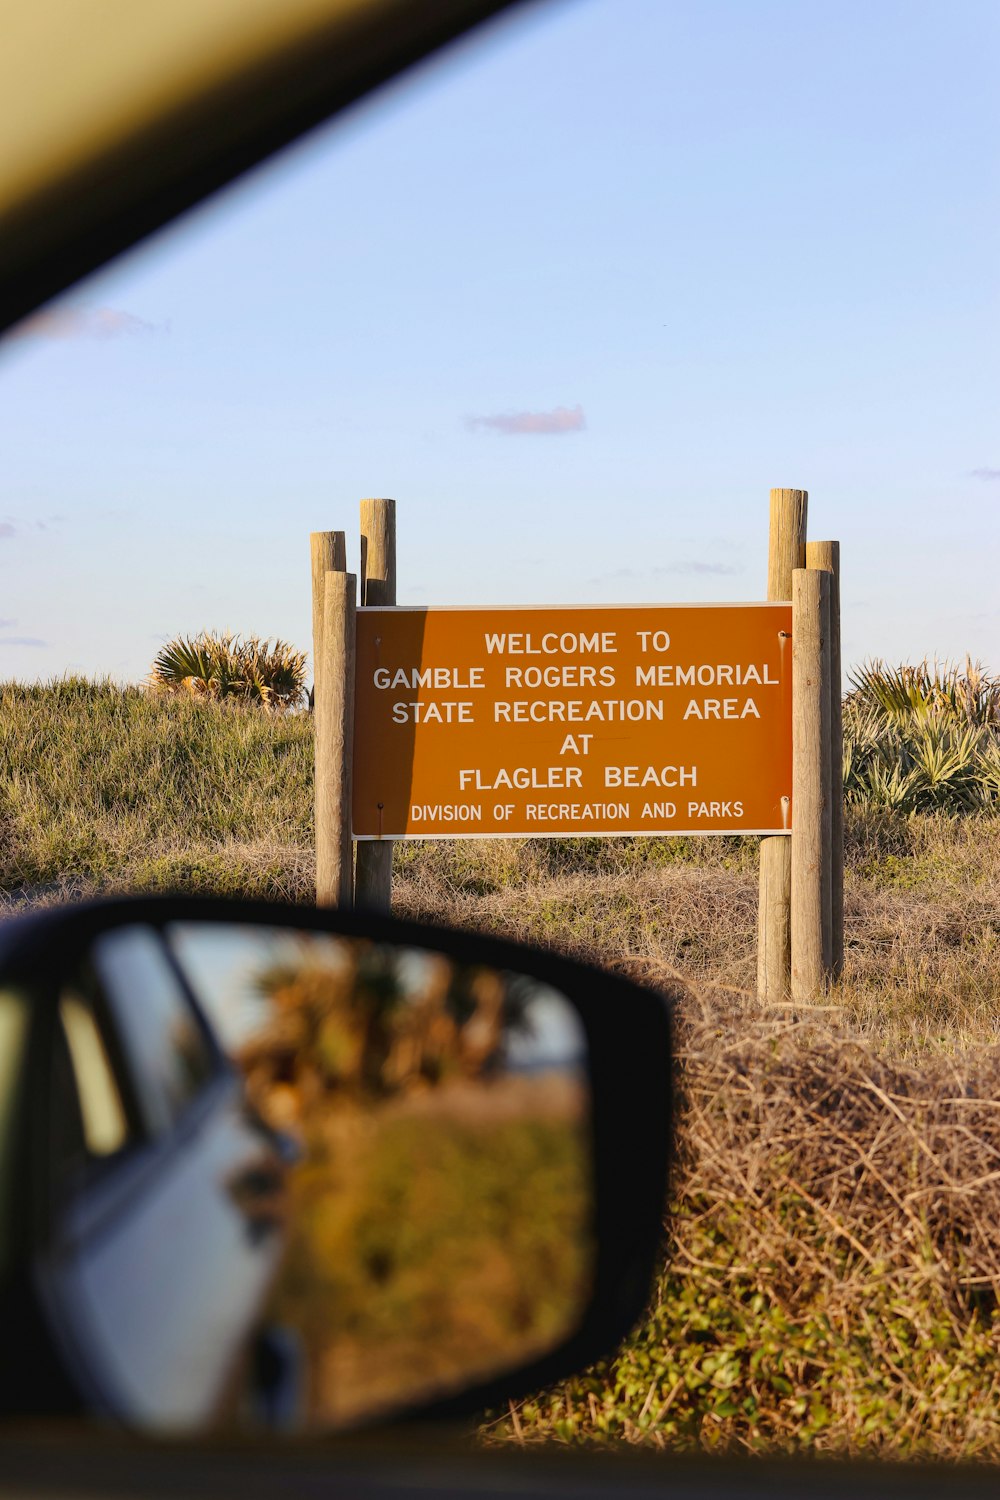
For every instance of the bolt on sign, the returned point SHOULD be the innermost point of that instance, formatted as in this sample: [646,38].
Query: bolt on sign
[625,719]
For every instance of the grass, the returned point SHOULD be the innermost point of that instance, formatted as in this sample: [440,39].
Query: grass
[104,788]
[830,1280]
[922,902]
[426,1233]
[831,1272]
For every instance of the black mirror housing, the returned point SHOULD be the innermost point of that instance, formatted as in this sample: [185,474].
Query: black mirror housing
[627,1030]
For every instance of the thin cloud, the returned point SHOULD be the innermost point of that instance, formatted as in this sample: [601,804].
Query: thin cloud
[7,624]
[688,567]
[11,526]
[986,473]
[21,640]
[695,566]
[535,423]
[615,577]
[65,323]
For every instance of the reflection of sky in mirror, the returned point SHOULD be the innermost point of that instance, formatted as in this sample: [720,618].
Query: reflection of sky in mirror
[552,1038]
[224,963]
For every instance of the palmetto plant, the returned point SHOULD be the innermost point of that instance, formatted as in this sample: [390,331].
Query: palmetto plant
[943,690]
[923,738]
[271,673]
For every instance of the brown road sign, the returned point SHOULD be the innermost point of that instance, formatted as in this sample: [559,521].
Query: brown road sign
[628,719]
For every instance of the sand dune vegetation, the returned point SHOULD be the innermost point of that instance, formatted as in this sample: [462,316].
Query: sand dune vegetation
[269,673]
[832,1264]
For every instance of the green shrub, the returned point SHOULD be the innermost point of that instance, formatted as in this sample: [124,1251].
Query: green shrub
[922,739]
[271,673]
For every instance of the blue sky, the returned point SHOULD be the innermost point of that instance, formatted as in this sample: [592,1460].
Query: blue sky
[576,296]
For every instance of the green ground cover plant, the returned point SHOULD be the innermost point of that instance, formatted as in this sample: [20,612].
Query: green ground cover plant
[830,1276]
[831,1265]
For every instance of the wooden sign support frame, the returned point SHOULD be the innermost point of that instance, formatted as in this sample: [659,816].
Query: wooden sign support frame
[800,932]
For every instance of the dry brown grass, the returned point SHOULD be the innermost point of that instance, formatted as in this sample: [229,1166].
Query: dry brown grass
[831,1277]
[922,969]
[832,1267]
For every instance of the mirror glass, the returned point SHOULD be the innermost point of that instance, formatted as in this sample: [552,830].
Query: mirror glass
[351,1177]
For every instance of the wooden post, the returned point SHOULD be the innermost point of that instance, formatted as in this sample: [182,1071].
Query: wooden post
[328,554]
[826,555]
[812,932]
[334,735]
[787,551]
[373,882]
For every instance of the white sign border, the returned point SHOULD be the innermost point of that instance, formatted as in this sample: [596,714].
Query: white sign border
[615,833]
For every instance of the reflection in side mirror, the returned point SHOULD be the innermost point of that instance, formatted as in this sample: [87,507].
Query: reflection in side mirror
[364,1183]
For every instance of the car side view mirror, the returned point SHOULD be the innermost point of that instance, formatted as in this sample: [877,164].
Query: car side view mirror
[273,1167]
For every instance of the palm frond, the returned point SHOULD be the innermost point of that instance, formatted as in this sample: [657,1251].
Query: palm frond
[923,737]
[269,672]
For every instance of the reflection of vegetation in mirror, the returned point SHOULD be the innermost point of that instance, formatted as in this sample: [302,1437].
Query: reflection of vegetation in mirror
[14,1020]
[102,1114]
[442,1204]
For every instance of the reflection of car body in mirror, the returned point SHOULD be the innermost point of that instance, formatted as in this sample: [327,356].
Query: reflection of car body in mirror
[280,1165]
[156,1199]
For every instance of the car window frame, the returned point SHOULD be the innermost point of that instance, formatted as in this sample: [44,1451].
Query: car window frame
[112,1006]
